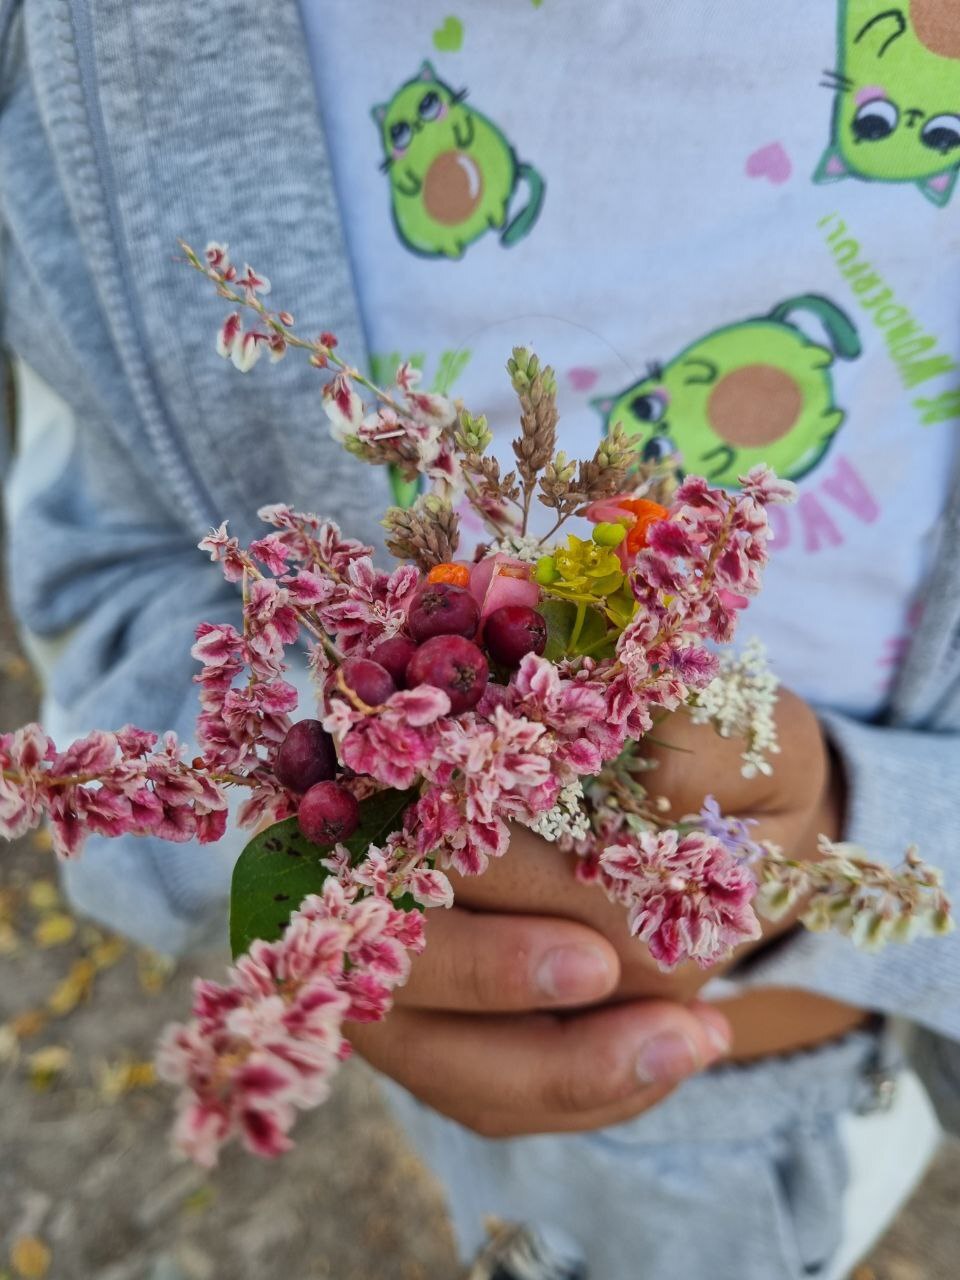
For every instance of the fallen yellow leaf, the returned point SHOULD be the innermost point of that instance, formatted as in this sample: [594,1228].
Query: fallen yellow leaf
[54,930]
[9,1044]
[27,1024]
[43,895]
[119,1078]
[43,840]
[9,939]
[76,986]
[47,1064]
[30,1257]
[107,952]
[14,667]
[198,1201]
[154,971]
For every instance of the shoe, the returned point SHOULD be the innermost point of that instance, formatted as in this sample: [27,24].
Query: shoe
[518,1252]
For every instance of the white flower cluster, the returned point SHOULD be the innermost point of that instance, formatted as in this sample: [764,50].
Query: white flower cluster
[566,818]
[522,546]
[741,701]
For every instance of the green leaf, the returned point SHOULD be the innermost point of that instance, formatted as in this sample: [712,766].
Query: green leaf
[561,618]
[280,867]
[568,636]
[449,369]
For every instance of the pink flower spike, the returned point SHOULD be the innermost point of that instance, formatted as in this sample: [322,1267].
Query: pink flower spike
[407,376]
[246,351]
[266,1045]
[766,487]
[271,551]
[252,281]
[343,407]
[276,347]
[217,256]
[689,897]
[229,334]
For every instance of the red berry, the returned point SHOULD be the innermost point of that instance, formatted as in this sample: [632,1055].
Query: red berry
[441,609]
[328,813]
[513,631]
[394,654]
[306,756]
[372,683]
[454,665]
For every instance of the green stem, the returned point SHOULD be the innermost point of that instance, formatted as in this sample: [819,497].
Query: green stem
[578,625]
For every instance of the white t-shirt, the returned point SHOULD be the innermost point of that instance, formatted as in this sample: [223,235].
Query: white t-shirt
[710,237]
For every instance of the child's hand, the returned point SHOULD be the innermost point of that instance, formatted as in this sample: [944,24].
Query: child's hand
[798,801]
[487,1030]
[477,1033]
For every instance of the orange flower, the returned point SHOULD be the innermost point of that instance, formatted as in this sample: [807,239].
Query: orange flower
[456,575]
[645,513]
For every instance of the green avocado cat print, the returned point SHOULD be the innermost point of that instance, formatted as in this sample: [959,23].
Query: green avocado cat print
[757,391]
[453,175]
[896,114]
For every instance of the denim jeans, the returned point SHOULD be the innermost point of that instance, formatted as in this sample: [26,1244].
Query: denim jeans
[739,1175]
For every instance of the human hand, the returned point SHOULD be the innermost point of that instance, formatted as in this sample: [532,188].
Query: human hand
[491,1029]
[791,807]
[479,1037]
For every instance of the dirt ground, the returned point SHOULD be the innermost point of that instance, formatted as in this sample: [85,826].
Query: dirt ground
[89,1192]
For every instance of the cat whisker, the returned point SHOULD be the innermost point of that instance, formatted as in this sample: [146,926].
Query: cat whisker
[835,88]
[458,97]
[384,165]
[655,370]
[839,76]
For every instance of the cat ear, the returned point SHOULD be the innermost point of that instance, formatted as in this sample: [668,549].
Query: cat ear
[832,166]
[939,188]
[426,70]
[379,112]
[881,31]
[603,404]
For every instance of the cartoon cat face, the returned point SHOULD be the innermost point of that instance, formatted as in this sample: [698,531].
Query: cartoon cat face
[897,111]
[414,110]
[759,391]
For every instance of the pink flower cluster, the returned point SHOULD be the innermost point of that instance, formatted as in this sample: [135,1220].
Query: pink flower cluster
[265,1044]
[688,897]
[702,564]
[111,784]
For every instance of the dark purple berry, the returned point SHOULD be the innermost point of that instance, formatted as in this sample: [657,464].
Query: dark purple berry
[454,665]
[328,813]
[394,654]
[306,756]
[441,609]
[513,631]
[372,683]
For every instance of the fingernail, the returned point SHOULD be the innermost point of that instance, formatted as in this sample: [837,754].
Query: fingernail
[666,1058]
[719,1036]
[716,1027]
[571,973]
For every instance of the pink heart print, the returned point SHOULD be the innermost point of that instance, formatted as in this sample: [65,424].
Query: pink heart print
[582,379]
[770,162]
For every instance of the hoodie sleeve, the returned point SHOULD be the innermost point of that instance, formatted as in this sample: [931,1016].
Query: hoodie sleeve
[903,788]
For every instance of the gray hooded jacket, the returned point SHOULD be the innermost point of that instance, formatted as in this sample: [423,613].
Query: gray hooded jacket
[122,127]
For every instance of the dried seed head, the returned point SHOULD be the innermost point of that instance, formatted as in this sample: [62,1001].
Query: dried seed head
[428,533]
[536,388]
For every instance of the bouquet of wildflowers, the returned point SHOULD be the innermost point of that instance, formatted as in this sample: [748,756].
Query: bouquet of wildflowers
[454,697]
